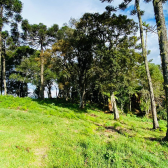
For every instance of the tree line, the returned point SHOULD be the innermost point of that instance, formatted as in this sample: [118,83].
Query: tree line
[96,59]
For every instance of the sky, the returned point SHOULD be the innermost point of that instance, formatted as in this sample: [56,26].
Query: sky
[55,11]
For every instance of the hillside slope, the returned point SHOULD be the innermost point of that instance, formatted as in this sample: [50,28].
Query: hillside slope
[36,133]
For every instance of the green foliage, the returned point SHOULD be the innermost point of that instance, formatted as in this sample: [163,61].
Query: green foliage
[162,114]
[157,80]
[117,124]
[38,35]
[145,104]
[11,9]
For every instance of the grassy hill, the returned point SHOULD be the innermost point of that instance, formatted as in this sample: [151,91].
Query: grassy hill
[53,134]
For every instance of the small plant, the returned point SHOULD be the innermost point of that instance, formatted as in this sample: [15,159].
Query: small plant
[107,124]
[100,128]
[162,114]
[111,156]
[162,128]
[133,127]
[24,108]
[145,119]
[117,124]
[87,131]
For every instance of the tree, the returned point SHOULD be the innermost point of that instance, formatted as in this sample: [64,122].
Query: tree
[39,36]
[157,80]
[16,78]
[111,56]
[144,53]
[163,44]
[61,58]
[114,67]
[137,11]
[9,13]
[77,55]
[77,59]
[5,35]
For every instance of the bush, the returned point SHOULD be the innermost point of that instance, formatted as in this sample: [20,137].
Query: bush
[162,113]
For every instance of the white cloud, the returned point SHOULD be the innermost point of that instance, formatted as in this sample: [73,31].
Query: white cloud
[152,44]
[59,12]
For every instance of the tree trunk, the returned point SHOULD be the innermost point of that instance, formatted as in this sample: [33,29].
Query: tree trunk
[4,75]
[114,106]
[130,106]
[153,106]
[163,44]
[25,91]
[122,107]
[1,15]
[49,92]
[42,74]
[21,90]
[56,94]
[4,67]
[152,98]
[147,109]
[82,95]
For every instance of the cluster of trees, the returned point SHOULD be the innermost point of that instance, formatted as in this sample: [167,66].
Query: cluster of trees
[163,44]
[94,59]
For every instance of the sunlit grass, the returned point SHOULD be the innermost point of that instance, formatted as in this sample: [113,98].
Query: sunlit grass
[50,133]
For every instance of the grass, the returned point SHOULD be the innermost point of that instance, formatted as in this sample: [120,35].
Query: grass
[55,134]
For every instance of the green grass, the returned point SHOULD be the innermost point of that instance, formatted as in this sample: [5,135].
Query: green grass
[55,134]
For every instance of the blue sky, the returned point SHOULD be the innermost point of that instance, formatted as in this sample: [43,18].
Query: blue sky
[56,11]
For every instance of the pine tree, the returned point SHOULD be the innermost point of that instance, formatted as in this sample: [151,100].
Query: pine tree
[163,44]
[39,36]
[9,13]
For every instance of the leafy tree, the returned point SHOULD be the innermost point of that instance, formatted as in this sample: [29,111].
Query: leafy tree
[114,68]
[8,47]
[17,82]
[28,71]
[163,42]
[39,36]
[157,79]
[77,56]
[61,57]
[65,33]
[120,55]
[137,11]
[87,55]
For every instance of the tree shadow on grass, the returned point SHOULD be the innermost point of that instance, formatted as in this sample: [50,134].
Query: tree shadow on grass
[161,140]
[112,129]
[51,103]
[126,132]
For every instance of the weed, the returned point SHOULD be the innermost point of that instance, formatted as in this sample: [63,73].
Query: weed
[117,124]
